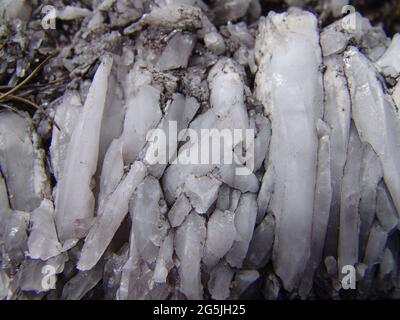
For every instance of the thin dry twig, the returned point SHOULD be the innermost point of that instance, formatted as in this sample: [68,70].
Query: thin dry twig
[28,78]
[9,95]
[34,105]
[37,85]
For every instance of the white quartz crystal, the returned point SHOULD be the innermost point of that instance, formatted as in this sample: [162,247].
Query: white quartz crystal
[165,260]
[375,117]
[43,241]
[245,219]
[202,192]
[149,224]
[386,212]
[190,239]
[348,247]
[4,205]
[389,63]
[71,13]
[214,41]
[337,115]
[177,52]
[66,116]
[220,281]
[179,211]
[396,94]
[265,193]
[286,49]
[143,114]
[371,175]
[221,234]
[244,279]
[22,162]
[260,248]
[15,237]
[110,215]
[74,199]
[178,115]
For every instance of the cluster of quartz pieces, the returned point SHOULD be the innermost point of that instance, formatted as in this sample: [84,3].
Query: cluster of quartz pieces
[323,194]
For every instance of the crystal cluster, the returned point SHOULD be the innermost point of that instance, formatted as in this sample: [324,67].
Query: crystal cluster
[91,216]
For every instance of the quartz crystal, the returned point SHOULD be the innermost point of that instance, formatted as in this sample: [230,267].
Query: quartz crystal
[283,61]
[74,198]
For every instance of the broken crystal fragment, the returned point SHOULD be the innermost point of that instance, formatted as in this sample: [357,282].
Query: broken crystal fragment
[165,260]
[338,116]
[260,248]
[322,205]
[387,265]
[332,41]
[179,211]
[202,192]
[82,283]
[15,237]
[240,35]
[223,200]
[177,117]
[22,162]
[43,241]
[287,47]
[149,225]
[113,272]
[385,210]
[348,247]
[228,112]
[32,275]
[234,200]
[371,175]
[265,193]
[221,233]
[112,171]
[245,183]
[230,10]
[15,9]
[354,28]
[71,13]
[272,287]
[245,219]
[143,114]
[244,279]
[114,112]
[190,239]
[74,198]
[177,52]
[261,141]
[214,42]
[389,63]
[376,244]
[375,117]
[396,95]
[220,281]
[110,215]
[66,115]
[4,285]
[173,16]
[4,206]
